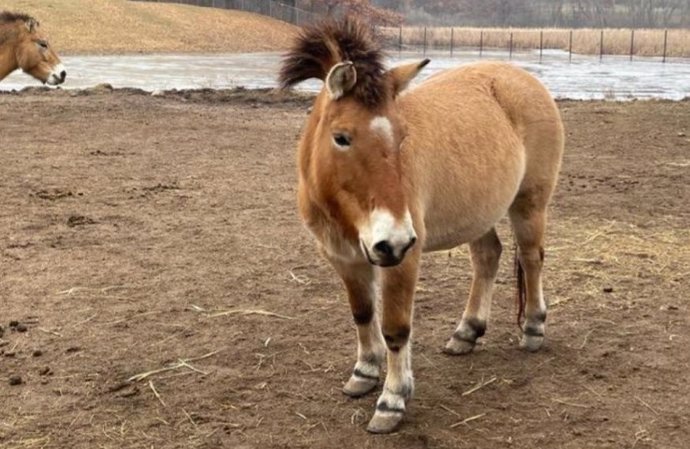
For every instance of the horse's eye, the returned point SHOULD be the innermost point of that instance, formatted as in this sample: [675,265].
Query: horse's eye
[341,140]
[42,44]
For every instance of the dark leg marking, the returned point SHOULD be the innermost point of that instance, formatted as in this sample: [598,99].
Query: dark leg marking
[363,315]
[358,373]
[372,359]
[384,407]
[533,331]
[539,317]
[475,329]
[398,340]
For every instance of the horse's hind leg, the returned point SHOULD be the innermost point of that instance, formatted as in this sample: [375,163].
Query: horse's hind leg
[528,217]
[359,280]
[485,253]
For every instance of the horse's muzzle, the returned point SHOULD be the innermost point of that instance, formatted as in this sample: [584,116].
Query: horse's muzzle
[57,76]
[386,255]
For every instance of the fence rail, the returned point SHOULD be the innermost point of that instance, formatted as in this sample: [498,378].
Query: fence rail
[598,42]
[595,42]
[271,8]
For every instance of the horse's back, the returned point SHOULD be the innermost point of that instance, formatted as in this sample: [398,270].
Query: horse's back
[478,90]
[535,117]
[522,97]
[479,135]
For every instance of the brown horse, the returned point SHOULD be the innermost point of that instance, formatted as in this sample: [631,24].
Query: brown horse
[384,176]
[23,46]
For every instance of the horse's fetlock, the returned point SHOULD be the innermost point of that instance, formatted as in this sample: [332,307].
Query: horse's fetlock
[374,358]
[470,330]
[533,329]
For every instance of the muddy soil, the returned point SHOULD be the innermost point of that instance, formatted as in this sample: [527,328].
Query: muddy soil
[157,236]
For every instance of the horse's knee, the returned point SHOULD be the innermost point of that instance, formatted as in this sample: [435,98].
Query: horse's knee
[487,250]
[396,336]
[363,313]
[532,257]
[489,254]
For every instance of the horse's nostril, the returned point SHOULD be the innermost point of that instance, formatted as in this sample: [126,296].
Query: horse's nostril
[384,248]
[63,75]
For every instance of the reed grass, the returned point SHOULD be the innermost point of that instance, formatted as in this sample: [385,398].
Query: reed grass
[647,42]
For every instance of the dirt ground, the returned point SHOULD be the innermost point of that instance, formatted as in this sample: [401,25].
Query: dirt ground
[140,233]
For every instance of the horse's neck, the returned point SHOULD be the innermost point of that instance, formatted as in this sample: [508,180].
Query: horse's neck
[8,60]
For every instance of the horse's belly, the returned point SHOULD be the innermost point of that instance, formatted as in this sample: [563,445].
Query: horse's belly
[447,232]
[460,210]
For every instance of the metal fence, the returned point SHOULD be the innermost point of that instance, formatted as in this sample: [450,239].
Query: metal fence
[275,9]
[593,42]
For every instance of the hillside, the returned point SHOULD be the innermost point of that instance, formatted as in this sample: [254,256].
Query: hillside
[120,26]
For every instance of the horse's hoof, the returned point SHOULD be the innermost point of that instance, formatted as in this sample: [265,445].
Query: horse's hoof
[385,422]
[358,386]
[531,343]
[455,346]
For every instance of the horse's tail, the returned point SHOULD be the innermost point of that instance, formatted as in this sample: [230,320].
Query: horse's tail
[521,293]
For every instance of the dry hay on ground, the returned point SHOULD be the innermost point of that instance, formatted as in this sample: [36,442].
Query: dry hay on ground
[585,41]
[122,26]
[156,239]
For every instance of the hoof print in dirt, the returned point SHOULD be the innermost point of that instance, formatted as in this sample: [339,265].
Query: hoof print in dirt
[15,380]
[37,353]
[79,220]
[45,371]
[52,194]
[128,393]
[160,187]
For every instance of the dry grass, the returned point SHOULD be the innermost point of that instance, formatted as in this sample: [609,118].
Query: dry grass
[585,41]
[120,26]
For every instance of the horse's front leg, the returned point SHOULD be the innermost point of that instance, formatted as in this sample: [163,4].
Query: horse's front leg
[397,288]
[360,282]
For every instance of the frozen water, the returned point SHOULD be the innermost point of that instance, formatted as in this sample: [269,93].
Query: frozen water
[584,77]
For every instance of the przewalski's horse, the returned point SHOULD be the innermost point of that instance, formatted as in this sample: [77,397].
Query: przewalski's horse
[23,46]
[384,176]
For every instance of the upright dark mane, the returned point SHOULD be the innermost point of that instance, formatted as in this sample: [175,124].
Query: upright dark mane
[320,47]
[9,17]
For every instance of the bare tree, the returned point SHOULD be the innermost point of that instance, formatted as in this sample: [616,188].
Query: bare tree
[364,10]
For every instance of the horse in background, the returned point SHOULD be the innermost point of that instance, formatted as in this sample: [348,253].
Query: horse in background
[386,174]
[24,46]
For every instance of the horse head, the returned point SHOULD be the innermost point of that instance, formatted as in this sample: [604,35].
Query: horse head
[354,138]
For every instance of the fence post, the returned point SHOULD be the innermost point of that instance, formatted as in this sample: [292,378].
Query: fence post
[665,41]
[632,43]
[601,45]
[481,42]
[570,47]
[451,41]
[541,45]
[424,41]
[510,47]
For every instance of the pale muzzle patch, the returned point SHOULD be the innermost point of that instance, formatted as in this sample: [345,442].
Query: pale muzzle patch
[385,239]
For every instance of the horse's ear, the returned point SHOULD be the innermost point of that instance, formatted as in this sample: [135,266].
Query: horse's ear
[403,74]
[341,78]
[31,25]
